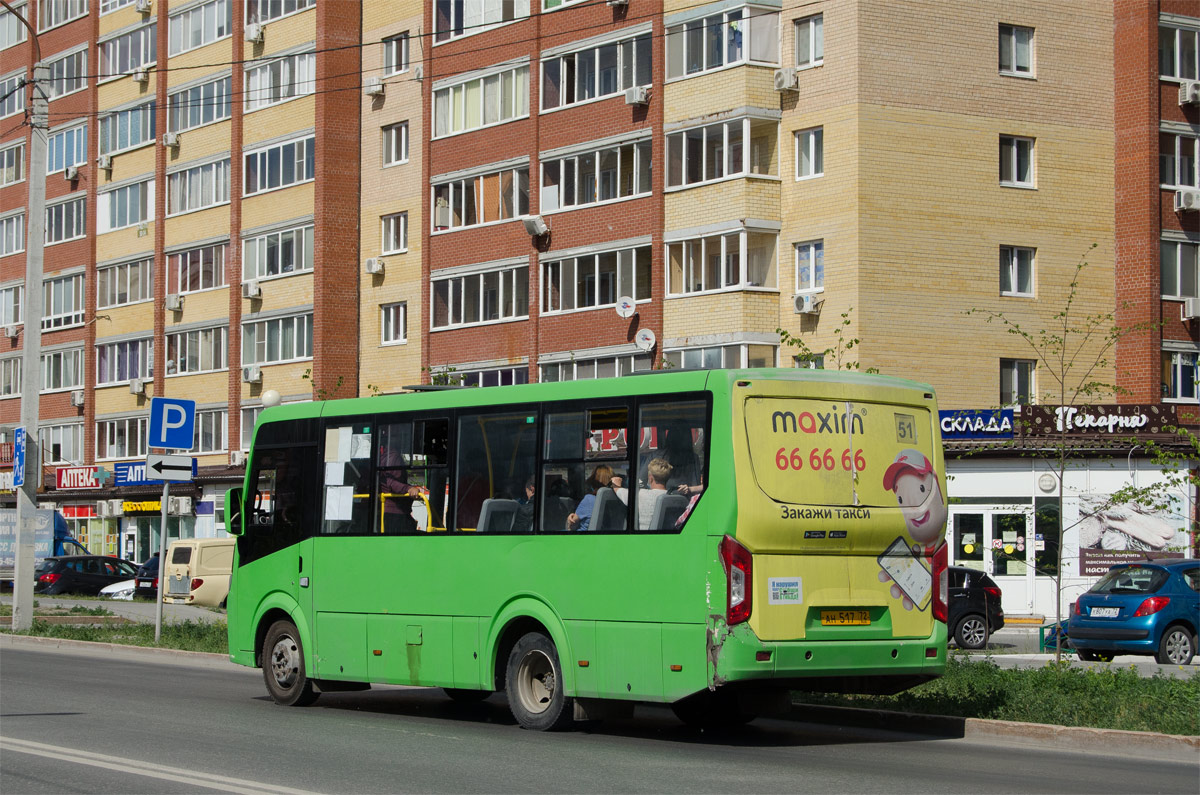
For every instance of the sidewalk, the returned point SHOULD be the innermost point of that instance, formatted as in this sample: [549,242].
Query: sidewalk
[1017,647]
[141,612]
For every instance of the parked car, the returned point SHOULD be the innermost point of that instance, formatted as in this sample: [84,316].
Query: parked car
[974,607]
[122,590]
[146,578]
[1150,607]
[82,574]
[198,571]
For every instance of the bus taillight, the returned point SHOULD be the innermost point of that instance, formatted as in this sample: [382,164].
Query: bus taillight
[738,575]
[941,584]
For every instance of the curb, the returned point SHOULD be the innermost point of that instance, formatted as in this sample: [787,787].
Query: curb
[1072,738]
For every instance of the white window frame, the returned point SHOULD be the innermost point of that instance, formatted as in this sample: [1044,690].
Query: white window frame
[1011,147]
[197,270]
[110,279]
[1010,51]
[631,272]
[1174,164]
[810,153]
[137,356]
[1176,271]
[130,51]
[68,74]
[1179,377]
[454,194]
[69,439]
[211,97]
[109,6]
[257,264]
[187,187]
[275,9]
[753,22]
[393,323]
[12,234]
[395,54]
[280,80]
[1014,368]
[810,254]
[555,198]
[62,370]
[477,17]
[10,376]
[213,20]
[587,368]
[1012,260]
[694,256]
[257,341]
[456,288]
[12,32]
[211,431]
[695,357]
[122,438]
[12,164]
[734,134]
[67,293]
[12,97]
[52,13]
[490,376]
[135,125]
[12,305]
[631,66]
[303,156]
[204,350]
[73,210]
[1178,69]
[115,209]
[811,32]
[394,227]
[66,147]
[450,115]
[395,144]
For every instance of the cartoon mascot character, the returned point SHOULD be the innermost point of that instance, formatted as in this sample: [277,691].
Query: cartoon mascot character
[919,495]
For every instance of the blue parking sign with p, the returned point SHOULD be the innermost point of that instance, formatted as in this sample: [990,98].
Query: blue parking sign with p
[172,423]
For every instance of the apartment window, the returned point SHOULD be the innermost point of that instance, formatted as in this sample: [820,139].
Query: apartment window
[118,362]
[810,153]
[66,221]
[12,234]
[810,41]
[395,144]
[596,280]
[1016,50]
[266,10]
[499,196]
[616,172]
[395,54]
[107,6]
[579,369]
[12,164]
[197,351]
[10,376]
[552,4]
[249,418]
[1016,382]
[127,129]
[198,187]
[278,340]
[472,104]
[1016,161]
[280,166]
[718,357]
[454,18]
[489,297]
[125,283]
[810,266]
[124,438]
[1016,271]
[280,80]
[1177,159]
[66,148]
[720,151]
[62,444]
[1179,269]
[67,74]
[11,301]
[198,269]
[1179,376]
[58,12]
[121,55]
[200,25]
[12,94]
[729,261]
[1178,52]
[393,323]
[211,431]
[395,233]
[602,71]
[724,39]
[198,105]
[278,253]
[126,206]
[62,369]
[11,30]
[492,376]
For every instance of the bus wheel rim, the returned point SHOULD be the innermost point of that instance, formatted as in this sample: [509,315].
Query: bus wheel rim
[285,665]
[535,682]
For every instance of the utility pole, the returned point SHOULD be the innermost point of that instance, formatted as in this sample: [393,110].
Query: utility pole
[31,376]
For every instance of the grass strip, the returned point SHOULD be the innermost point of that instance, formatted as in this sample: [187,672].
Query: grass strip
[181,635]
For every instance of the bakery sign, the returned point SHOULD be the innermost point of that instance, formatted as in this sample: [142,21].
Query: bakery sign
[1113,420]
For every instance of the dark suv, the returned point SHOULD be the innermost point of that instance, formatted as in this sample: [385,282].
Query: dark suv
[146,579]
[84,574]
[975,611]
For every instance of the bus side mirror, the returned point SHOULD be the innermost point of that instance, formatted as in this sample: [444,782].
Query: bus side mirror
[233,511]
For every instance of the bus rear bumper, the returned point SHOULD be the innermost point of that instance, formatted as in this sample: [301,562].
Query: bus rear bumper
[849,666]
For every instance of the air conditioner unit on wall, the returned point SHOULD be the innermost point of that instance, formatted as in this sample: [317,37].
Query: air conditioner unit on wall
[174,302]
[143,6]
[637,95]
[179,506]
[77,398]
[116,507]
[137,386]
[252,374]
[141,75]
[12,332]
[237,458]
[1191,308]
[1187,200]
[374,265]
[71,173]
[104,162]
[373,87]
[102,509]
[251,290]
[1189,93]
[254,33]
[785,79]
[170,139]
[805,304]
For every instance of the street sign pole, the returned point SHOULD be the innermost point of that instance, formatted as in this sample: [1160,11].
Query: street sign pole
[172,422]
[162,562]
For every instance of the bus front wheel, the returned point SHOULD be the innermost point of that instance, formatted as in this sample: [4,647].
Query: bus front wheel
[283,666]
[534,685]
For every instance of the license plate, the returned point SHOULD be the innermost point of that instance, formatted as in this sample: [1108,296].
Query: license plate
[1105,612]
[841,618]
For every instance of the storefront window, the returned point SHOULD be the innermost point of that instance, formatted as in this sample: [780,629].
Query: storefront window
[1046,536]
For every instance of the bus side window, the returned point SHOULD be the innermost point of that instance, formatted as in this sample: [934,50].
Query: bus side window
[348,458]
[672,462]
[497,455]
[586,475]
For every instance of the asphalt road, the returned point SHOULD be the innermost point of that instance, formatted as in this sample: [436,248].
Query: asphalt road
[89,720]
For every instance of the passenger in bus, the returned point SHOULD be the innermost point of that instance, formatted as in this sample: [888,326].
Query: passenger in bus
[397,495]
[524,518]
[581,517]
[658,471]
[679,451]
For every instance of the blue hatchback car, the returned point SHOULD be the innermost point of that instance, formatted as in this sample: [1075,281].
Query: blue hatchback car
[1150,607]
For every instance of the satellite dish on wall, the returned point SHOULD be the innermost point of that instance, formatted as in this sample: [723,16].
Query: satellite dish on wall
[645,339]
[626,307]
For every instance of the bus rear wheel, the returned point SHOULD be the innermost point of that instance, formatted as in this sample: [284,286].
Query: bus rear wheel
[283,666]
[533,684]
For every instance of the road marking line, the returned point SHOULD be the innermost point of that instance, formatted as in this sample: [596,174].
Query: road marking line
[182,775]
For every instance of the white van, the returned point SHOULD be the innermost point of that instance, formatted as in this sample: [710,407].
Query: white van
[198,571]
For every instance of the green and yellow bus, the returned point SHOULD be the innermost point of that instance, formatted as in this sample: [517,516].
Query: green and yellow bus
[706,539]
